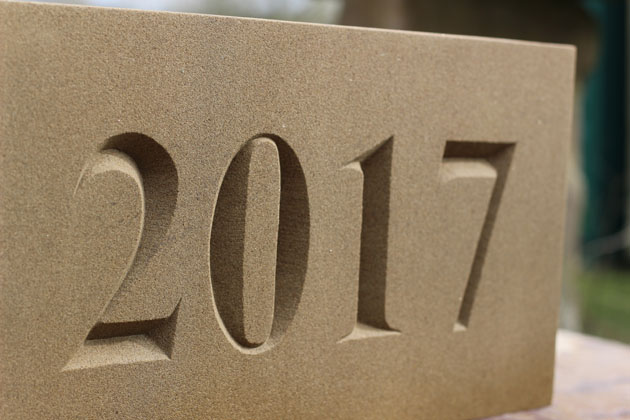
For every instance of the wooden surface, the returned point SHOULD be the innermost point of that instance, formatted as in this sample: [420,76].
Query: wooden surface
[592,381]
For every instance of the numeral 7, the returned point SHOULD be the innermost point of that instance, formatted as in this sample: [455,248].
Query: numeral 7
[473,176]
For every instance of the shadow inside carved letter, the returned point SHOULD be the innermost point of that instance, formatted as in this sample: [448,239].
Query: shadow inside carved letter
[259,243]
[374,169]
[124,202]
[486,165]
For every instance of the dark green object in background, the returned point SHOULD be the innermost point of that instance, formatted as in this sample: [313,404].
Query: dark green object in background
[604,149]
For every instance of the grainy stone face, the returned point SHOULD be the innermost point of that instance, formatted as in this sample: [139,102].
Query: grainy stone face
[211,217]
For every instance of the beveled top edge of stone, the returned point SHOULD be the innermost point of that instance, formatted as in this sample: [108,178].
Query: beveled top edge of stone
[568,47]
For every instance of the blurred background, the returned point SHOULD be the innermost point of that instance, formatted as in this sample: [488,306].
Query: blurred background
[596,288]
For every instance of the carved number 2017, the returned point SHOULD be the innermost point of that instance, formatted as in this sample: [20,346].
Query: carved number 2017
[259,248]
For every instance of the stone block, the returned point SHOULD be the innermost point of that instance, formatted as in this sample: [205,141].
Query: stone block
[214,217]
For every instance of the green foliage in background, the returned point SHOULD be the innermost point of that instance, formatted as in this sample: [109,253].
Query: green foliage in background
[605,299]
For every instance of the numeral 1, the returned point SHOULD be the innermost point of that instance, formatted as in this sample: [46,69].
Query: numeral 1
[371,173]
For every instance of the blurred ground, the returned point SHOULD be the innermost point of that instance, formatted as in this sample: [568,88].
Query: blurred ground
[592,381]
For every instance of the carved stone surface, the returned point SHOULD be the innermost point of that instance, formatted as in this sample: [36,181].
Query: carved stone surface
[211,217]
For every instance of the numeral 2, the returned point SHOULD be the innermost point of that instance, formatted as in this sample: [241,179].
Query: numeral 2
[127,188]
